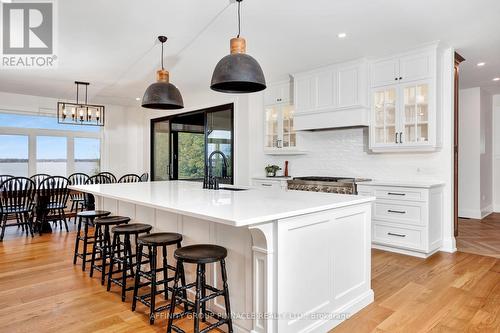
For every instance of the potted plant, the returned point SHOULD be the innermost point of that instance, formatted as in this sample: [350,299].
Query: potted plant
[271,170]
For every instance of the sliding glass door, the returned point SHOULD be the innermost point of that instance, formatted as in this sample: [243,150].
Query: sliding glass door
[160,152]
[182,144]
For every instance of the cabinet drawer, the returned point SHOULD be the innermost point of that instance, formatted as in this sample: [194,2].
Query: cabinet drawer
[272,185]
[400,193]
[400,212]
[397,236]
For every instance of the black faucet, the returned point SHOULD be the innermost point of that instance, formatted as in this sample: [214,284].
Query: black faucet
[210,181]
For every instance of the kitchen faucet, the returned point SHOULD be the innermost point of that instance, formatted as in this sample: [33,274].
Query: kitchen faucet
[210,181]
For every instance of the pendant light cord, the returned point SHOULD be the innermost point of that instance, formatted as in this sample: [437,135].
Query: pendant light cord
[239,19]
[162,55]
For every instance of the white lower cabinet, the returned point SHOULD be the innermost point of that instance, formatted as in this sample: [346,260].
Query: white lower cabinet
[279,183]
[407,218]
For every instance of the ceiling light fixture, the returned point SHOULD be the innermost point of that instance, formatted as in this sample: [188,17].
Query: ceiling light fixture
[342,35]
[238,73]
[137,98]
[496,79]
[162,94]
[481,64]
[80,113]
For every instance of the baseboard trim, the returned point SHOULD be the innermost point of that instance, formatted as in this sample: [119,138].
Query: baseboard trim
[350,308]
[470,213]
[486,211]
[449,245]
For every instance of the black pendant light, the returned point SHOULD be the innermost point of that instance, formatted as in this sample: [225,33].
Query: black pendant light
[238,73]
[162,94]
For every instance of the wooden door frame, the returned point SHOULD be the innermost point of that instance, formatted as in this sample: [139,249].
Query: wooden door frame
[458,60]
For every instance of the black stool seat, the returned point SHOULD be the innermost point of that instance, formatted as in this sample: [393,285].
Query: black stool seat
[132,228]
[93,213]
[160,238]
[112,220]
[200,253]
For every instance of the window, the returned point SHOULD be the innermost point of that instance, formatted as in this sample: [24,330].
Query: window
[87,155]
[41,122]
[51,155]
[34,143]
[14,155]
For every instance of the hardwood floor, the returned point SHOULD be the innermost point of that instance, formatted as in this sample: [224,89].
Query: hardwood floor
[457,292]
[41,290]
[480,236]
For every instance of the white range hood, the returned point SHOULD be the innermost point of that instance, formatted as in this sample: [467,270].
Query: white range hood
[333,96]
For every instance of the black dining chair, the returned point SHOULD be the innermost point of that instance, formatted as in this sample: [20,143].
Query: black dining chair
[109,175]
[53,193]
[94,180]
[145,177]
[39,178]
[4,178]
[77,199]
[129,178]
[17,196]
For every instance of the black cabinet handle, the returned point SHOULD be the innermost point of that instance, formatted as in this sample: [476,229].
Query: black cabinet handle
[400,137]
[396,137]
[266,184]
[400,78]
[396,211]
[395,79]
[397,235]
[394,193]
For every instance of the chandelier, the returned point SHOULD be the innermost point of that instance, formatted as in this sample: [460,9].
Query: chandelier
[80,113]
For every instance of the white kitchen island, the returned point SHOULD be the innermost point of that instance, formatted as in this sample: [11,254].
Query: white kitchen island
[297,261]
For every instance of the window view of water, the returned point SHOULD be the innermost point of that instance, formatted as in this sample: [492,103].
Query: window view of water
[51,151]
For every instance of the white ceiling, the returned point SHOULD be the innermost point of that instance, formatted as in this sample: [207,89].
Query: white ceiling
[112,43]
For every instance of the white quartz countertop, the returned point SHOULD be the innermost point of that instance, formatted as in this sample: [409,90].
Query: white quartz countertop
[236,208]
[403,183]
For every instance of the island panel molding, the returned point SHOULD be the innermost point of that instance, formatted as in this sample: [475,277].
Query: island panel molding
[270,260]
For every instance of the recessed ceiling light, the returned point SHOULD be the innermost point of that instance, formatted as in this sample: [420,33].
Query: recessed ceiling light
[342,35]
[481,64]
[496,79]
[137,98]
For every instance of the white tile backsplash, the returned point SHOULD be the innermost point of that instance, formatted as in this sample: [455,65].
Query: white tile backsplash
[344,152]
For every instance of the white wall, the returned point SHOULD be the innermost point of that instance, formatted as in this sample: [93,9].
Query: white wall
[496,153]
[486,153]
[469,171]
[121,138]
[475,153]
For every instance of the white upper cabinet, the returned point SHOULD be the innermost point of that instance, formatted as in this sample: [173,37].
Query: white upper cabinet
[409,67]
[384,72]
[404,112]
[332,96]
[279,93]
[280,137]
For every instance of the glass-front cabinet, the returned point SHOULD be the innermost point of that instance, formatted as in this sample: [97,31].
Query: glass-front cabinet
[402,117]
[280,137]
[280,133]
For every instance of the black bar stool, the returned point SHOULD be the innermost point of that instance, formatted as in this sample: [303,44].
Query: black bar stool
[200,255]
[121,254]
[102,242]
[153,242]
[87,218]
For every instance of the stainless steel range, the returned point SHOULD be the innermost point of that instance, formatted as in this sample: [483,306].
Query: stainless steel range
[343,185]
